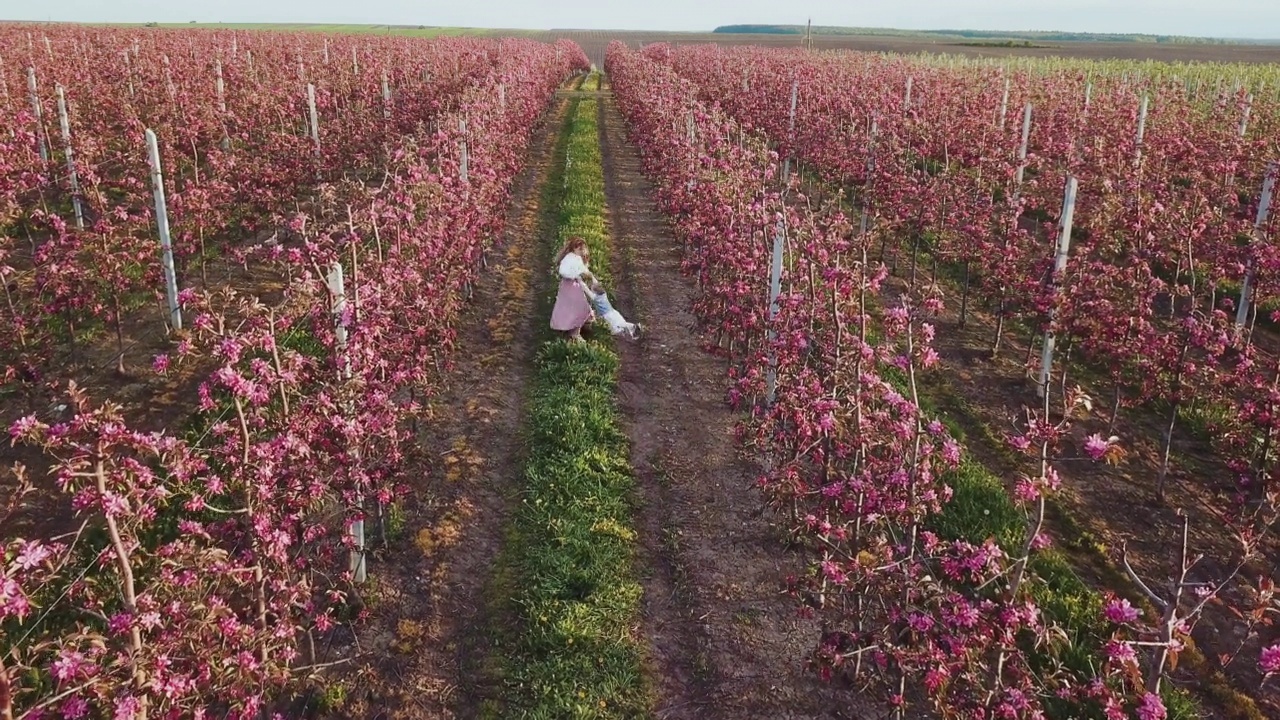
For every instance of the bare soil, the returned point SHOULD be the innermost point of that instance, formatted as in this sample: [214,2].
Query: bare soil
[725,641]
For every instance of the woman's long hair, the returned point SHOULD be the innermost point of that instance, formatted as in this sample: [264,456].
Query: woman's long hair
[572,245]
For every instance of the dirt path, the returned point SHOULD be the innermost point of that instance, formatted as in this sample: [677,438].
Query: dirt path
[427,605]
[725,642]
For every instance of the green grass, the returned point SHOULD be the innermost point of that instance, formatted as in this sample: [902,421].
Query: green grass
[576,592]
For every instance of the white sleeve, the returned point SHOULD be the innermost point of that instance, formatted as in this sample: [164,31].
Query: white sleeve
[572,267]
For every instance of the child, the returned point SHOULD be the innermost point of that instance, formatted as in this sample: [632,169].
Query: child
[617,323]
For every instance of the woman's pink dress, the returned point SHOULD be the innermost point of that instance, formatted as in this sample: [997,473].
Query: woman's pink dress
[572,309]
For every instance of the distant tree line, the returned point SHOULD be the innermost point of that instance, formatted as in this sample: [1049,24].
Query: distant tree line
[997,35]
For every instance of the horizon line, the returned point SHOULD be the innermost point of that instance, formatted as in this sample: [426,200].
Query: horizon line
[712,31]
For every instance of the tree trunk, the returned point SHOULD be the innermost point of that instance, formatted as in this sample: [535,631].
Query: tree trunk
[1165,452]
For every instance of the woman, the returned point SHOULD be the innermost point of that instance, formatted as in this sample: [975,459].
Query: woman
[572,310]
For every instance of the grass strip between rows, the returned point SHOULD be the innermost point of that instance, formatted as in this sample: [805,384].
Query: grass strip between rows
[577,594]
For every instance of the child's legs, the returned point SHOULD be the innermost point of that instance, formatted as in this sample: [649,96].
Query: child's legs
[617,323]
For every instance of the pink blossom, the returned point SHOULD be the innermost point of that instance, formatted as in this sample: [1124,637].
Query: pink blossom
[323,623]
[1025,490]
[1121,652]
[75,708]
[120,623]
[68,666]
[25,428]
[920,622]
[951,451]
[1269,661]
[160,364]
[1151,708]
[1120,611]
[32,555]
[127,708]
[1095,446]
[12,600]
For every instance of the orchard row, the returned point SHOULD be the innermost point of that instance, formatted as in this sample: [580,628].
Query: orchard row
[328,202]
[920,594]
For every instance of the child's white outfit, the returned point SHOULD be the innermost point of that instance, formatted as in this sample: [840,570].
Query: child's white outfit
[617,323]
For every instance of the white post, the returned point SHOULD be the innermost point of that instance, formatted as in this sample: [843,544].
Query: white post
[168,79]
[502,96]
[1059,265]
[866,187]
[48,47]
[355,63]
[42,146]
[775,290]
[1088,95]
[65,122]
[692,138]
[338,296]
[128,71]
[326,51]
[1004,105]
[906,100]
[1244,129]
[1264,210]
[1142,129]
[463,170]
[248,58]
[791,132]
[315,119]
[1022,149]
[386,96]
[162,224]
[221,87]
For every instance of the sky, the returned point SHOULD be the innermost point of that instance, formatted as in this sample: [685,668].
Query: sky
[1217,18]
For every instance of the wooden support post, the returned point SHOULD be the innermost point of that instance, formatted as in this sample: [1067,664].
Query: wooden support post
[162,225]
[1264,210]
[1059,265]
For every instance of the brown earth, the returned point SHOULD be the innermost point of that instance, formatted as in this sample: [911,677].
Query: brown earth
[595,42]
[726,642]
